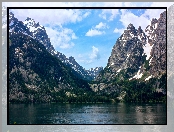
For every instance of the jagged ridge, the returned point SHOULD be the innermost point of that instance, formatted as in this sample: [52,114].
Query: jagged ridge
[38,32]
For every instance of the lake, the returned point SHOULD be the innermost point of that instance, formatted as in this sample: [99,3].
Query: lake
[119,113]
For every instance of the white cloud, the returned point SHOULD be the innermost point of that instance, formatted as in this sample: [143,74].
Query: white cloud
[86,14]
[127,17]
[143,20]
[112,13]
[120,31]
[101,25]
[95,53]
[150,13]
[90,57]
[61,37]
[57,17]
[94,32]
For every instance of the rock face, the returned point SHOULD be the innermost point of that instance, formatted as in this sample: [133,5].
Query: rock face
[157,37]
[126,53]
[36,31]
[138,56]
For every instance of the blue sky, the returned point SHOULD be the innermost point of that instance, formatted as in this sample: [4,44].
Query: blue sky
[87,34]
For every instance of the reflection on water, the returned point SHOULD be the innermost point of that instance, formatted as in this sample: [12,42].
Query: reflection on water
[121,113]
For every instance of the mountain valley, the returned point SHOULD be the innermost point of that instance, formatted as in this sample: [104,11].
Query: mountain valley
[135,72]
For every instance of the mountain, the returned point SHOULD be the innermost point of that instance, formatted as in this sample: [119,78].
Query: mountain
[36,75]
[135,72]
[35,30]
[137,64]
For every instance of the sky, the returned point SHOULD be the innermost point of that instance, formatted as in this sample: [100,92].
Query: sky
[88,34]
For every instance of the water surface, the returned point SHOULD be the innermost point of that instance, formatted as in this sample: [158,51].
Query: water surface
[120,113]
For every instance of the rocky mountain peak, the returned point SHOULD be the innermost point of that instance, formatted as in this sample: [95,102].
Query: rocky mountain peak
[28,18]
[163,15]
[16,26]
[129,33]
[11,15]
[29,22]
[139,30]
[136,55]
[154,20]
[131,27]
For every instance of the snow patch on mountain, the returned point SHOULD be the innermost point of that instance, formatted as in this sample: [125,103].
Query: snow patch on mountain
[147,49]
[137,76]
[148,77]
[32,26]
[118,70]
[112,63]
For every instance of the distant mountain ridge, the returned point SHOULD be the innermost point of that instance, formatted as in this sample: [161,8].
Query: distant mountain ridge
[38,32]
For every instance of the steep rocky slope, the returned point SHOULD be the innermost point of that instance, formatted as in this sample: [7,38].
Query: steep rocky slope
[35,75]
[137,61]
